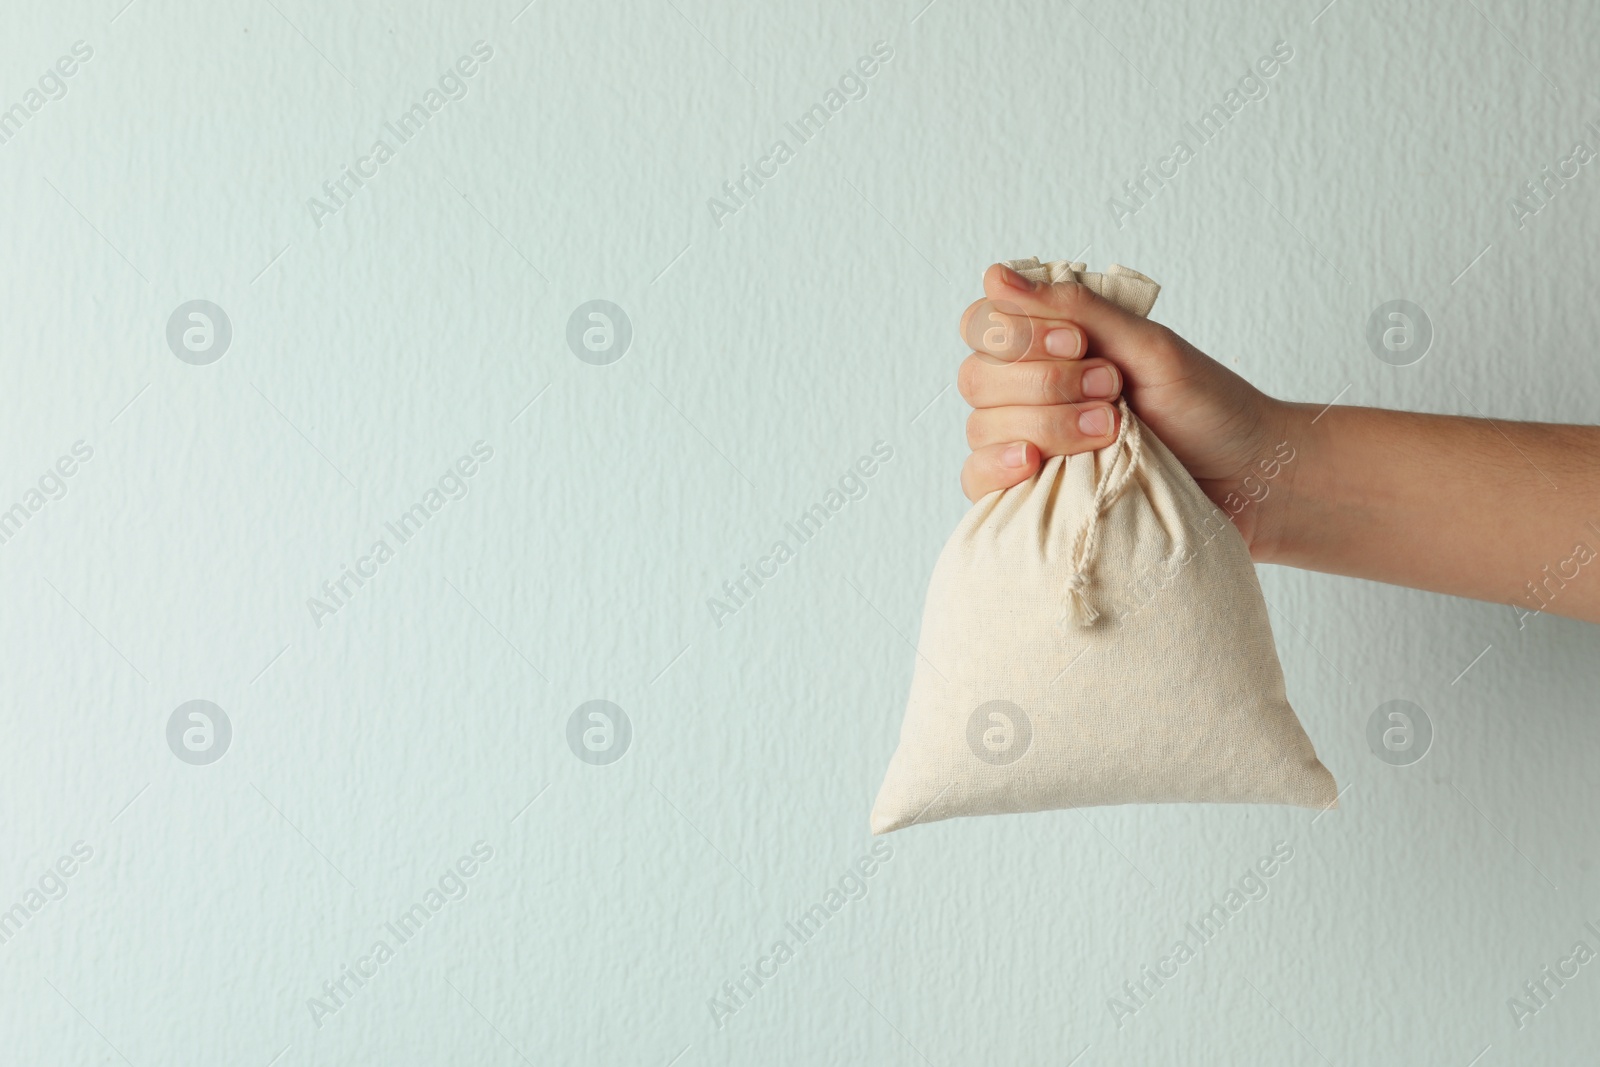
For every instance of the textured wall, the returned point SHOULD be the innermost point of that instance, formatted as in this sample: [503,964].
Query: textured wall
[404,747]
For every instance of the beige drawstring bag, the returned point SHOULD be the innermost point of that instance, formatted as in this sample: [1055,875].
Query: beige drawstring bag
[1096,635]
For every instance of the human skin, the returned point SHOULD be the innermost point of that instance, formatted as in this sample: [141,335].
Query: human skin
[1498,511]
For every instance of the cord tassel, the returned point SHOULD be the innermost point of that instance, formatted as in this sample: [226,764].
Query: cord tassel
[1079,610]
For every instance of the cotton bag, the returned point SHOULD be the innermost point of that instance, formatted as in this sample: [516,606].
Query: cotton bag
[1096,635]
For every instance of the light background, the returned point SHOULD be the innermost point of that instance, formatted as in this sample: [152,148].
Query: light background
[768,353]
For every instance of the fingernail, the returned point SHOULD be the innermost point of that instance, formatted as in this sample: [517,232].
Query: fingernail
[1064,344]
[1100,382]
[1015,280]
[1015,456]
[1096,422]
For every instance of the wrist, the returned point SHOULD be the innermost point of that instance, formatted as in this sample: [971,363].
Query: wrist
[1290,447]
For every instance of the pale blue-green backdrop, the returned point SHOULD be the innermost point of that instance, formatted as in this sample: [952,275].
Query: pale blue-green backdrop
[399,764]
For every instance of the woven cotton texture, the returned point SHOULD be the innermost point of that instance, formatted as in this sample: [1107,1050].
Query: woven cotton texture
[1142,671]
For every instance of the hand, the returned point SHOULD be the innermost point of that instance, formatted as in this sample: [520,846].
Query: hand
[1057,396]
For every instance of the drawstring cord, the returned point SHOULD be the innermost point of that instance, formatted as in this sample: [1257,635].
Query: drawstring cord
[1106,493]
[1135,293]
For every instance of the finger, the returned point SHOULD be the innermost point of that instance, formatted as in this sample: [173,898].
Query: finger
[998,467]
[1002,332]
[1058,430]
[1050,381]
[1144,348]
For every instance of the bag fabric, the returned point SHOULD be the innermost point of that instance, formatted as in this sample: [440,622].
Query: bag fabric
[1097,635]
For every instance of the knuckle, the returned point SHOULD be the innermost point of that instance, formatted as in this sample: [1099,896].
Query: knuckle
[1166,345]
[1052,380]
[1071,297]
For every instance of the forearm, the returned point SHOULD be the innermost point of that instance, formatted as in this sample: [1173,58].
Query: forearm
[1499,511]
